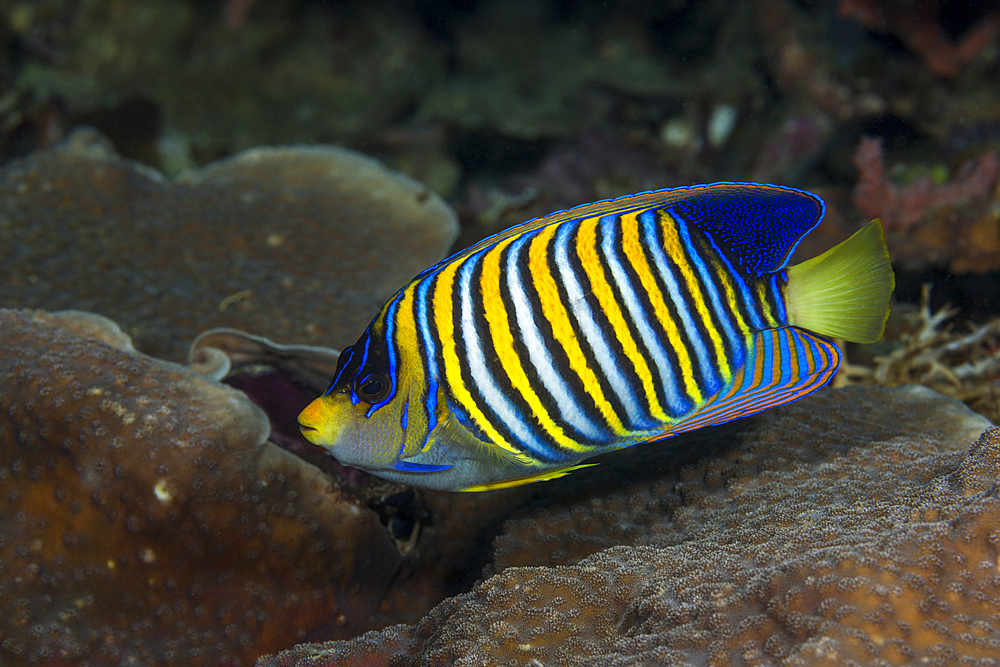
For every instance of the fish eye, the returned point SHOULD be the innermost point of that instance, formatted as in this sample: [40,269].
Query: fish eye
[372,387]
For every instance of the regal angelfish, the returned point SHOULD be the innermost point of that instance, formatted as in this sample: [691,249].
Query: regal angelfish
[597,328]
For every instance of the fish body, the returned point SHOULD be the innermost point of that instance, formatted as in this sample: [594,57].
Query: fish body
[598,328]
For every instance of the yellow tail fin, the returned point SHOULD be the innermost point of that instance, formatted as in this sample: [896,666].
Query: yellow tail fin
[844,293]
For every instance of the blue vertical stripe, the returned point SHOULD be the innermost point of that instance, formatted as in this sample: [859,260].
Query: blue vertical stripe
[594,336]
[676,292]
[781,314]
[707,281]
[483,374]
[750,306]
[430,356]
[389,335]
[677,402]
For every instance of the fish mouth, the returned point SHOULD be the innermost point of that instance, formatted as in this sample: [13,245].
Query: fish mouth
[317,422]
[305,426]
[310,433]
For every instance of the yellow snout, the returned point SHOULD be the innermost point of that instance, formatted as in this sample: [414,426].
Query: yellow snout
[317,422]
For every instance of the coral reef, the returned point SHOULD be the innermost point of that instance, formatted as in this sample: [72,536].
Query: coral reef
[919,26]
[147,520]
[155,515]
[217,352]
[466,95]
[440,534]
[589,168]
[850,526]
[790,147]
[797,67]
[289,243]
[898,207]
[489,92]
[813,526]
[301,72]
[954,224]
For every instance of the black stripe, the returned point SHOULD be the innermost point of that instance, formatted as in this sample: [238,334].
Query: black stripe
[713,269]
[547,339]
[554,349]
[472,384]
[634,286]
[771,296]
[617,406]
[748,310]
[620,361]
[465,373]
[706,377]
[514,396]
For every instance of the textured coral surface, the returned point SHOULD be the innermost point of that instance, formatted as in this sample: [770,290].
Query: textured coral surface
[287,243]
[145,519]
[849,528]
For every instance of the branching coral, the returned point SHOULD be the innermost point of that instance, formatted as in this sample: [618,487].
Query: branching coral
[902,207]
[918,24]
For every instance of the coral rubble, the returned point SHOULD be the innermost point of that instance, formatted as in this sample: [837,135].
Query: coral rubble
[958,361]
[851,527]
[146,519]
[290,243]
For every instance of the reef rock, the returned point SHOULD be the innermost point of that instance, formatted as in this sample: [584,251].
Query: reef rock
[298,244]
[147,520]
[853,527]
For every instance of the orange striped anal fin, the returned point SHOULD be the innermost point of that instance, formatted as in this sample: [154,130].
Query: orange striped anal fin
[783,365]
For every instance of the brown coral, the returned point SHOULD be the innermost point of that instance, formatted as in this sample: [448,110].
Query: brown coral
[147,521]
[291,243]
[845,529]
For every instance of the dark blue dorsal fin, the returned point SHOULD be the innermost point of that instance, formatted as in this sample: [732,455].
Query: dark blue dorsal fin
[761,225]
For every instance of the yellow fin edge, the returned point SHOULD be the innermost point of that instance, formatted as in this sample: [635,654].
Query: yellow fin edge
[531,479]
[844,293]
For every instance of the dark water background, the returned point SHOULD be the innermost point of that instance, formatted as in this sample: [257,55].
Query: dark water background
[513,109]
